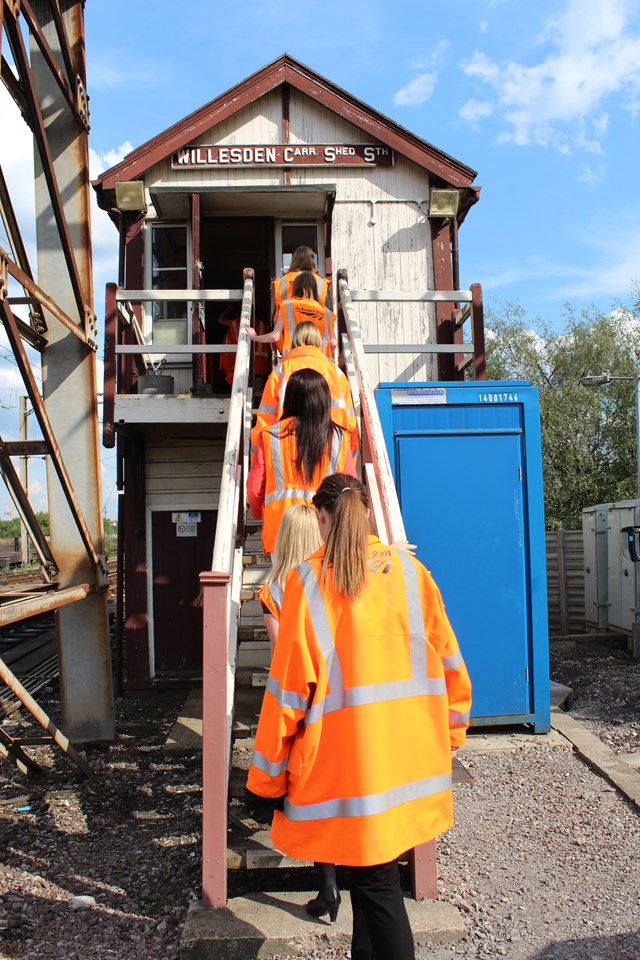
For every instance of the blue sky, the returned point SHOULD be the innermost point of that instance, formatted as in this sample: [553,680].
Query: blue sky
[542,99]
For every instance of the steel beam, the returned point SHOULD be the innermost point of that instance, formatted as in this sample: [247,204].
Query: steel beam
[38,107]
[45,300]
[23,607]
[44,423]
[15,90]
[47,53]
[70,391]
[63,41]
[26,512]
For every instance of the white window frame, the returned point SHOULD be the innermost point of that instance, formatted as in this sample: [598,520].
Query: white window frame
[149,227]
[299,222]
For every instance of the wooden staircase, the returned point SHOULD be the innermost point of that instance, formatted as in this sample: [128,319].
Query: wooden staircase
[249,845]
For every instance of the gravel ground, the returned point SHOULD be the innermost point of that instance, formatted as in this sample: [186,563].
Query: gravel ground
[543,861]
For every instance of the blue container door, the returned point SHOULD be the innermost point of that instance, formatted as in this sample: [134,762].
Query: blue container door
[462,503]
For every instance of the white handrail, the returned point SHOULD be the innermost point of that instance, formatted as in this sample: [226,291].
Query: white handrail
[379,456]
[230,492]
[138,296]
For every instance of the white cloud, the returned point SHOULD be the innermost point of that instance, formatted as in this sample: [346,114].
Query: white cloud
[420,89]
[595,54]
[609,271]
[104,235]
[417,91]
[475,110]
[592,175]
[16,159]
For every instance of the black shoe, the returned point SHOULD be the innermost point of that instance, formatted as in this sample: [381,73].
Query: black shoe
[319,906]
[328,899]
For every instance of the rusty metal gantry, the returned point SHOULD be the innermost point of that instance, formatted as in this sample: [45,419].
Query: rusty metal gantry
[43,69]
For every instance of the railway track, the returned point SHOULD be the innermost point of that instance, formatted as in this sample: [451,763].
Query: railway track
[28,647]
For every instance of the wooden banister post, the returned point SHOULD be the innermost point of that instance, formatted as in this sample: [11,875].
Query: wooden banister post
[215,773]
[477,332]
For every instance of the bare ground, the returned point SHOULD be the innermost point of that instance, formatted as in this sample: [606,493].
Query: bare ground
[543,860]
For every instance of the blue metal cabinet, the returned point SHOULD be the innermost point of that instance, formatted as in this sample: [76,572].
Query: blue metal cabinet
[466,460]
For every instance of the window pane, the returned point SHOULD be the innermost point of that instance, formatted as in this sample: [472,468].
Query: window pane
[169,247]
[169,272]
[296,235]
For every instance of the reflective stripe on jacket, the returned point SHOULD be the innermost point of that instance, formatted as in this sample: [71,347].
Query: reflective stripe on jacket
[283,286]
[270,596]
[284,485]
[364,701]
[293,312]
[306,358]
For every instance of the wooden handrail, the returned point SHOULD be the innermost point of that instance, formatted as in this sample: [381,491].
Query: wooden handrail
[154,296]
[377,450]
[220,592]
[231,483]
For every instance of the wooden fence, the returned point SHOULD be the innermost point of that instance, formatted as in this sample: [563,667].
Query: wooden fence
[565,582]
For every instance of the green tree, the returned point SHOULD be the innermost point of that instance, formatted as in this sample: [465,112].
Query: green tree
[588,434]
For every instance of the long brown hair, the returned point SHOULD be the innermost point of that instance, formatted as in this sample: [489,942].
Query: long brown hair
[305,285]
[345,500]
[308,401]
[303,259]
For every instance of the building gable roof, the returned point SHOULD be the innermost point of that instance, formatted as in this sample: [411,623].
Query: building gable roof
[286,69]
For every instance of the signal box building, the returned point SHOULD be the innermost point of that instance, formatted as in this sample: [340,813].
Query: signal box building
[282,159]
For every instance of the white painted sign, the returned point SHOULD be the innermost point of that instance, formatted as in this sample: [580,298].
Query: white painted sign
[283,155]
[418,396]
[186,516]
[186,529]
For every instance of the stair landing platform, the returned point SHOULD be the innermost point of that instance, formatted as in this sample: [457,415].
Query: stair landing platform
[261,925]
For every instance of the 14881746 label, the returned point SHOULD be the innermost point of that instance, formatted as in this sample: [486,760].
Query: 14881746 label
[502,396]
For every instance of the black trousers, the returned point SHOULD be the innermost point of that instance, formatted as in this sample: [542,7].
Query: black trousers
[381,929]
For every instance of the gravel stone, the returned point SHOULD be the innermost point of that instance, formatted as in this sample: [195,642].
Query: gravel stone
[542,861]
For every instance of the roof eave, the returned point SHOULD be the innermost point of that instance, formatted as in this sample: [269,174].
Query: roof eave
[287,70]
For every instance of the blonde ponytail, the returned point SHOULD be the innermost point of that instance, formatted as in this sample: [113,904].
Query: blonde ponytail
[344,499]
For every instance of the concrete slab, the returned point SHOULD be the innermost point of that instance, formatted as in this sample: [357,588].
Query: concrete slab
[186,733]
[262,924]
[621,774]
[497,739]
[633,759]
[561,696]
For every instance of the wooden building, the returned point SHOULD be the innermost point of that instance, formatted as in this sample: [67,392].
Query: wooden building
[282,159]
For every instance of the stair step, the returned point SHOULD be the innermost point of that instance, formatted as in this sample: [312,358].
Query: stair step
[255,576]
[251,612]
[244,729]
[247,594]
[252,631]
[252,676]
[254,653]
[257,559]
[248,702]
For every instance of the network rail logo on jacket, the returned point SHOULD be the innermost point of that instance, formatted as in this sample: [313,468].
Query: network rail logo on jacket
[379,559]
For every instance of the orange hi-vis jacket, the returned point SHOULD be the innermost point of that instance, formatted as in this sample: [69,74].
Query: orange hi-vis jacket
[261,357]
[296,311]
[364,702]
[283,286]
[306,358]
[283,484]
[270,596]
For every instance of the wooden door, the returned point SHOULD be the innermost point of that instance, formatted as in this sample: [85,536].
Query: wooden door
[177,607]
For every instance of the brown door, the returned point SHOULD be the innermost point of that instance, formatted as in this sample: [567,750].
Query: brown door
[177,610]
